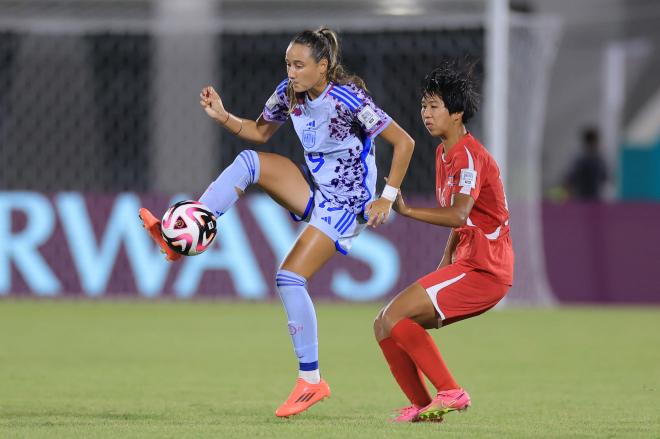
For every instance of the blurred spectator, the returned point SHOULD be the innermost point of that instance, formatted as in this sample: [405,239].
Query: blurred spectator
[588,174]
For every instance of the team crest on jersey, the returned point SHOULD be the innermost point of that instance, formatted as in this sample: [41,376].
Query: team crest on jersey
[309,135]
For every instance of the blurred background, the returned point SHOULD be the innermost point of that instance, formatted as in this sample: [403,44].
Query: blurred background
[99,115]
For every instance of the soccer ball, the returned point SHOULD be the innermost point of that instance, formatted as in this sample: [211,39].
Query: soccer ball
[188,227]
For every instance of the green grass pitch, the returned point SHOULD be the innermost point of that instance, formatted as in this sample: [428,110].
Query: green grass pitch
[219,369]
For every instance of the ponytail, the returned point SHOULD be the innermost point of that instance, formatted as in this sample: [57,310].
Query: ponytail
[324,43]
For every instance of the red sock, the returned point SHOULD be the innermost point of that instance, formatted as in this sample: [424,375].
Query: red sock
[420,346]
[406,373]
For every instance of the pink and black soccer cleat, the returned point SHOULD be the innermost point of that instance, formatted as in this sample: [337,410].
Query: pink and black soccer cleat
[444,402]
[151,223]
[406,414]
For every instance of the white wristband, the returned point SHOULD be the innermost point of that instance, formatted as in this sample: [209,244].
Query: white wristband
[390,193]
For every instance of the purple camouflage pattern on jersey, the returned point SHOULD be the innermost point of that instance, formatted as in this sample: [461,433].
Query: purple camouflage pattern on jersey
[351,170]
[349,189]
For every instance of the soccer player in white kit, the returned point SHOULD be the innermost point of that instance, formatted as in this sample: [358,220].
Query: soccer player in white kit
[336,122]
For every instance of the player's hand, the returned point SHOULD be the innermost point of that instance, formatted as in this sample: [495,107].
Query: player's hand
[212,104]
[400,205]
[378,211]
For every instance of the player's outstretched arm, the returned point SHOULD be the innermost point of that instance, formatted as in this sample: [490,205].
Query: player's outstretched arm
[452,216]
[259,131]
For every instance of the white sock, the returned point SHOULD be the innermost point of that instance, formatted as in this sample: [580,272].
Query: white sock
[311,376]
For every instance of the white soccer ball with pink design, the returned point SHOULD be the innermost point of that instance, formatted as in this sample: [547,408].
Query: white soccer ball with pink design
[189,227]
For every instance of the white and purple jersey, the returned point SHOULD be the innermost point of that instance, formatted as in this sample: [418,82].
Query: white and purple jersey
[337,131]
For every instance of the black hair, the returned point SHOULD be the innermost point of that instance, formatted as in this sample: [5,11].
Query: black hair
[454,83]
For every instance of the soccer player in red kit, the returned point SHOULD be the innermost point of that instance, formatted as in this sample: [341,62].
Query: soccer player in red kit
[476,269]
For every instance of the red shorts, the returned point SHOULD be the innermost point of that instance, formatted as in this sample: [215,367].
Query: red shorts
[459,292]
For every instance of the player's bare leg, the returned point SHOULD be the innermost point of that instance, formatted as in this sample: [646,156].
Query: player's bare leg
[311,251]
[284,182]
[413,303]
[277,175]
[404,320]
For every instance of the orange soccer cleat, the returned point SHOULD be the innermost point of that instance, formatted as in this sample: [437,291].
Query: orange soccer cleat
[303,396]
[151,223]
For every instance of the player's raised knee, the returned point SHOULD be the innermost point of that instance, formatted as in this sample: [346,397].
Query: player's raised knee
[379,332]
[248,160]
[389,318]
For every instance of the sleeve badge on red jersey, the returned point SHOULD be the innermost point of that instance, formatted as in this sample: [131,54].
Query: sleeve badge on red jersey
[468,178]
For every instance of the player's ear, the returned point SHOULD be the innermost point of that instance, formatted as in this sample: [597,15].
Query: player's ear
[323,66]
[457,117]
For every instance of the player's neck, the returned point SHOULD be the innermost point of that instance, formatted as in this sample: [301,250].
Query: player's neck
[316,91]
[452,137]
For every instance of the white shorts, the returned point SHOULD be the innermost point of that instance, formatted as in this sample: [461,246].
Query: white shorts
[338,224]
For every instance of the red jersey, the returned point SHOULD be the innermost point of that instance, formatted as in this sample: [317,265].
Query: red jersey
[485,242]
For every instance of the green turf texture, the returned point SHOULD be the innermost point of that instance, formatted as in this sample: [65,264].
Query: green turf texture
[219,369]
